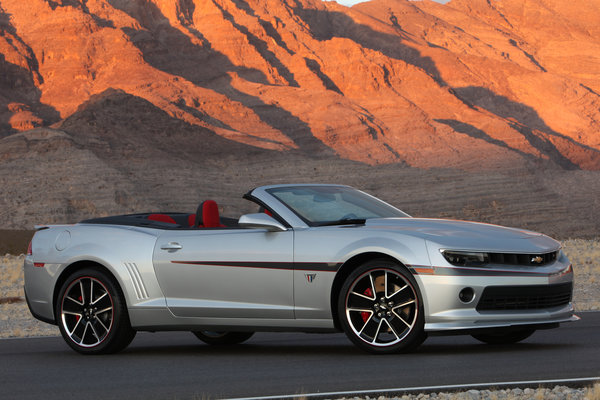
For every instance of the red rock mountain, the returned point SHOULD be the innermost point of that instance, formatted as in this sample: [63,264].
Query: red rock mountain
[469,84]
[476,109]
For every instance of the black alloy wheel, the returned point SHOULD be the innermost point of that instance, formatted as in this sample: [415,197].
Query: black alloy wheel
[92,315]
[380,308]
[222,338]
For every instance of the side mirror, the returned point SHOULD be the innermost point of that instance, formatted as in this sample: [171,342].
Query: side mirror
[261,221]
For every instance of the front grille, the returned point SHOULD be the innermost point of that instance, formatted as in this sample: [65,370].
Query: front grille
[534,260]
[525,297]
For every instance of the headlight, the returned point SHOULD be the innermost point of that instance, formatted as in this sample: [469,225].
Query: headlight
[466,258]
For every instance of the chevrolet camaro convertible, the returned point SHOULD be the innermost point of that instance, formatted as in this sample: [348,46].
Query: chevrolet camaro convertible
[313,258]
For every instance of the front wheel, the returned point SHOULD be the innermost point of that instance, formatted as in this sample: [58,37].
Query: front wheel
[222,338]
[380,308]
[92,314]
[504,336]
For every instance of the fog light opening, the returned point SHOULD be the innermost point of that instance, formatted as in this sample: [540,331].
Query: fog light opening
[466,295]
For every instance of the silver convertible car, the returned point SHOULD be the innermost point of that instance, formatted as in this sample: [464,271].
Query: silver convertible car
[313,258]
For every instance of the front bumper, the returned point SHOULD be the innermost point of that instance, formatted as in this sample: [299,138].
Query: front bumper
[471,320]
[519,297]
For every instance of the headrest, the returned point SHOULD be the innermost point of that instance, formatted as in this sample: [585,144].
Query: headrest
[207,215]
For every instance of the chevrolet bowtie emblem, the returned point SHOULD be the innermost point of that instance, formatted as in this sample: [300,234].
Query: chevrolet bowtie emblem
[537,260]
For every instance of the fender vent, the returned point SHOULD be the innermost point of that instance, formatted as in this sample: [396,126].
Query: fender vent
[136,279]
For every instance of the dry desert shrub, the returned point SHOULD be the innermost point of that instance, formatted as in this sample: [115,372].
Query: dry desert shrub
[593,393]
[15,319]
[541,393]
[585,257]
[11,276]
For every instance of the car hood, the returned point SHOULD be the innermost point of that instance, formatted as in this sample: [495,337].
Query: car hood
[467,235]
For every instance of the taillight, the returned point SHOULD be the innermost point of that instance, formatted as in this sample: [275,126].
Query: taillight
[30,253]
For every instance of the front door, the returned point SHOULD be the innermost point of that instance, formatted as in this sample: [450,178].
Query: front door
[226,273]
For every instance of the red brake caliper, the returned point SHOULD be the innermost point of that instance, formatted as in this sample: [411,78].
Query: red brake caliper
[365,315]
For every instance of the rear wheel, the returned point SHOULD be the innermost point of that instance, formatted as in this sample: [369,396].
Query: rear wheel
[504,337]
[380,308]
[92,315]
[222,338]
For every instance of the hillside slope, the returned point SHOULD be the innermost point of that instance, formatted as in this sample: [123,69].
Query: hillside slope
[388,81]
[122,105]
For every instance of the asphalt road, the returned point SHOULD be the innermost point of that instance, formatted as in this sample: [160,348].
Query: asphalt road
[178,366]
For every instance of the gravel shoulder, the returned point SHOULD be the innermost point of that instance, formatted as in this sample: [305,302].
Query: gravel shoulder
[555,393]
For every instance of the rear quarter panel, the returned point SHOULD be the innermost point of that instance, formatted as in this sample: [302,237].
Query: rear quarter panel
[126,252]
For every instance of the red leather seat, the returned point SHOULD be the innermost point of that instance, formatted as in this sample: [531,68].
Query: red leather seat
[207,215]
[161,218]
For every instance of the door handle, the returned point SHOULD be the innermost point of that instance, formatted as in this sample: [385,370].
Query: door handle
[171,246]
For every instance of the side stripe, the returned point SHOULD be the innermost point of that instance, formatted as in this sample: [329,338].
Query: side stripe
[333,267]
[308,266]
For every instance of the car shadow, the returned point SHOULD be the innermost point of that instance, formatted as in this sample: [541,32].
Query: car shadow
[336,347]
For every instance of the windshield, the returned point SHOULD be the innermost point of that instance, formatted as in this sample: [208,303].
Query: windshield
[333,205]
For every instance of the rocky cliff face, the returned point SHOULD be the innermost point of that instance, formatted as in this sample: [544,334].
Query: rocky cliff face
[388,81]
[115,105]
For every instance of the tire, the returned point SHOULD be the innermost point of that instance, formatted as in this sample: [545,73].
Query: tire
[92,314]
[381,309]
[222,338]
[504,337]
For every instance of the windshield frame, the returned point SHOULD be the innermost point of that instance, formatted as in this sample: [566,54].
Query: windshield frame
[372,207]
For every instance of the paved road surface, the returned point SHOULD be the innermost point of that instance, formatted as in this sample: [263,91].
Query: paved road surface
[178,366]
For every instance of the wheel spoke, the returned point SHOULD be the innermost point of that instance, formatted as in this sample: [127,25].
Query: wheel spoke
[385,285]
[377,332]
[392,329]
[357,300]
[403,297]
[362,295]
[373,286]
[91,291]
[404,304]
[103,310]
[102,324]
[84,332]
[73,300]
[76,325]
[82,291]
[94,331]
[360,310]
[71,313]
[397,291]
[398,316]
[71,308]
[369,328]
[99,298]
